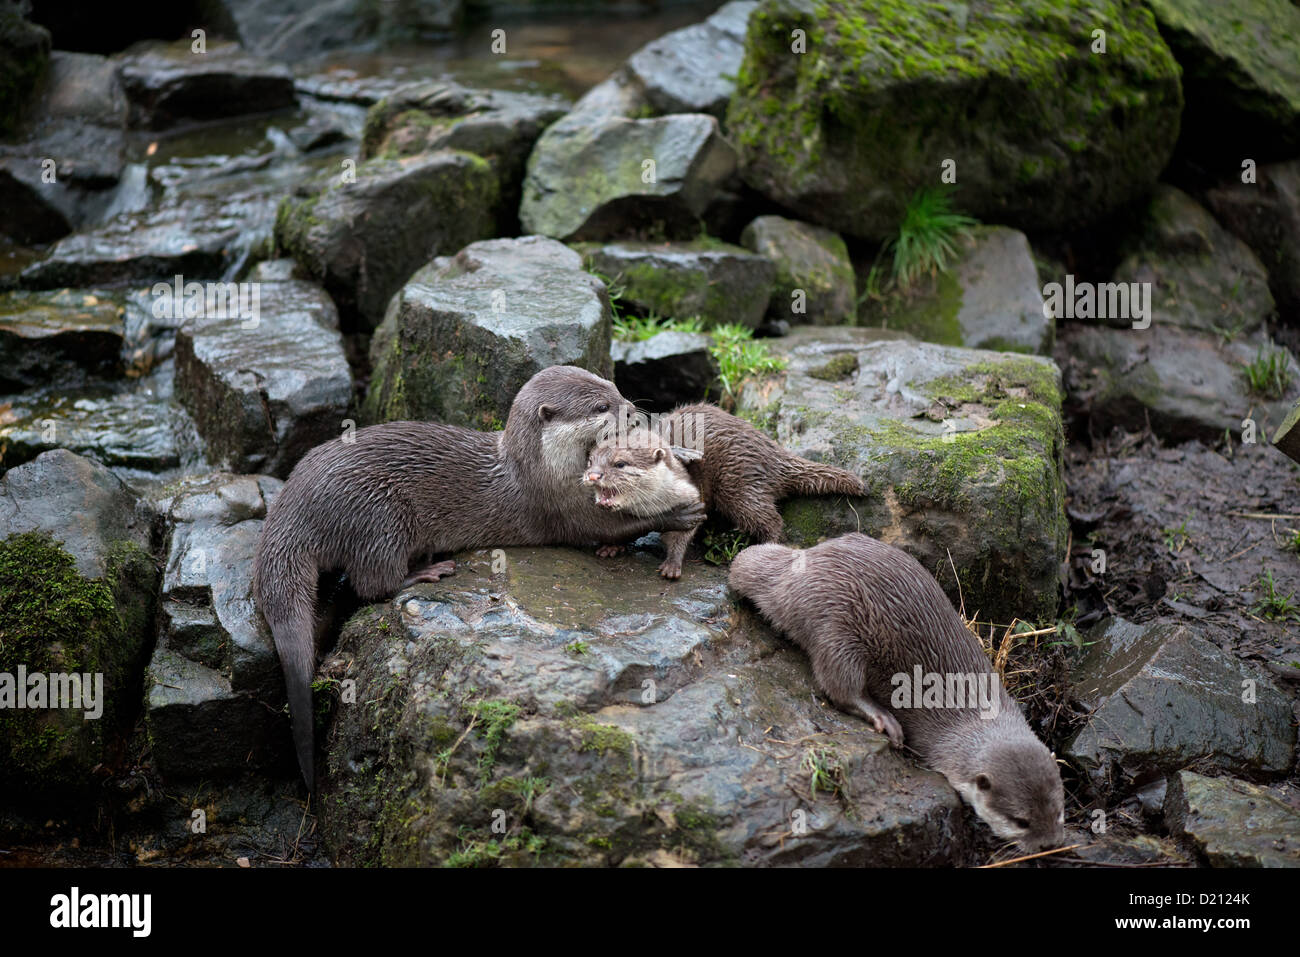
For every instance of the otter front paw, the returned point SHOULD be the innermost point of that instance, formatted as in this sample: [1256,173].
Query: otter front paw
[888,725]
[609,551]
[671,569]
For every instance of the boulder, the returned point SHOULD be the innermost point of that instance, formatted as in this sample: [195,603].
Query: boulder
[59,337]
[808,260]
[667,370]
[77,587]
[613,723]
[1241,67]
[1233,823]
[24,54]
[1160,696]
[1044,133]
[466,332]
[263,391]
[988,298]
[362,240]
[713,280]
[960,450]
[167,83]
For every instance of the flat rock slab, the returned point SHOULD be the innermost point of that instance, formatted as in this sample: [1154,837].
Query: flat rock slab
[263,392]
[666,370]
[960,450]
[166,83]
[1162,697]
[468,331]
[814,275]
[989,298]
[63,336]
[607,714]
[709,279]
[1234,823]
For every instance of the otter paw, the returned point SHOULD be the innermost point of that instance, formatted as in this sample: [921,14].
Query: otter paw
[430,573]
[671,569]
[888,725]
[609,551]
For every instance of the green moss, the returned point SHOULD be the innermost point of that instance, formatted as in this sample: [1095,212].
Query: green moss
[603,738]
[494,720]
[837,367]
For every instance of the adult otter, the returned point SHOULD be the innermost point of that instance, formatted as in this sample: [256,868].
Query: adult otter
[740,472]
[405,490]
[873,621]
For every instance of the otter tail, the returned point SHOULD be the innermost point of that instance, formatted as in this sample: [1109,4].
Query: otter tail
[286,595]
[802,477]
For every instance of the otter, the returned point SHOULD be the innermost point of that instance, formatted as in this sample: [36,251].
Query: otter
[376,506]
[740,473]
[872,621]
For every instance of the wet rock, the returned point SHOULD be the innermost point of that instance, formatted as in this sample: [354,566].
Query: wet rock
[1265,214]
[166,83]
[317,133]
[613,722]
[59,337]
[1160,697]
[24,54]
[1233,823]
[362,240]
[1201,276]
[1241,66]
[692,70]
[77,591]
[215,669]
[276,270]
[960,450]
[1186,384]
[264,391]
[666,370]
[195,236]
[810,260]
[467,331]
[292,30]
[498,125]
[595,175]
[713,280]
[1044,132]
[1142,850]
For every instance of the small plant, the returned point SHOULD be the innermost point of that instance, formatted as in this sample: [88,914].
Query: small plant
[1293,542]
[720,547]
[496,717]
[577,647]
[1176,538]
[1270,374]
[927,237]
[739,356]
[825,772]
[638,329]
[1271,605]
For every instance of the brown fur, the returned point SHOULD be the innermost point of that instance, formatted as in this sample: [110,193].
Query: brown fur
[376,506]
[865,612]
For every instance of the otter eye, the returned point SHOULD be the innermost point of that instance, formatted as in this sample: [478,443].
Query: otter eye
[1021,823]
[602,408]
[620,465]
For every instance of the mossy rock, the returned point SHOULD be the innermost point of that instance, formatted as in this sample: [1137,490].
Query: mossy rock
[1044,133]
[960,450]
[810,261]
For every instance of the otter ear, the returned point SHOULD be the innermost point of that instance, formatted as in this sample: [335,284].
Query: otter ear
[983,782]
[685,455]
[545,412]
[660,454]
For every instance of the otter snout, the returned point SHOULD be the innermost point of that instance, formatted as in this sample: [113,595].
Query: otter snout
[592,476]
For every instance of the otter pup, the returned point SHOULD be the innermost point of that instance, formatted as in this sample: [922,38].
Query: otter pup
[372,506]
[873,621]
[739,471]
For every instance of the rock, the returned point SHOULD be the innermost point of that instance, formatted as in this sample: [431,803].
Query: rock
[276,270]
[589,176]
[960,450]
[498,125]
[1201,276]
[265,391]
[666,370]
[294,30]
[1266,216]
[693,70]
[76,597]
[466,332]
[24,54]
[1287,436]
[713,280]
[808,259]
[64,337]
[215,667]
[362,240]
[1045,134]
[613,723]
[1241,66]
[1186,384]
[1159,697]
[1233,823]
[195,237]
[166,83]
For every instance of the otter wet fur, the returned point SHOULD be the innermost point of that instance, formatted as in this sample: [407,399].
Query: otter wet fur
[871,619]
[740,472]
[376,506]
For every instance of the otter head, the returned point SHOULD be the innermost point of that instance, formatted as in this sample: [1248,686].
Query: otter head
[560,414]
[639,472]
[1015,788]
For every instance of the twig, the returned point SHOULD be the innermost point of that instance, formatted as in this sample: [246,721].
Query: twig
[1030,857]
